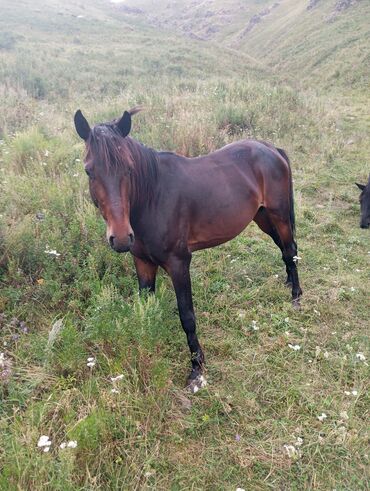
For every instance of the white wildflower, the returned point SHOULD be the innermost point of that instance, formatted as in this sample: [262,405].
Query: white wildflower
[326,355]
[360,356]
[240,489]
[51,252]
[296,258]
[114,391]
[254,326]
[70,444]
[115,379]
[46,449]
[2,360]
[353,289]
[353,392]
[322,417]
[44,441]
[91,362]
[299,442]
[290,450]
[294,347]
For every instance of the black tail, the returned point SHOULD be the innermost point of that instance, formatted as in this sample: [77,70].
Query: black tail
[291,196]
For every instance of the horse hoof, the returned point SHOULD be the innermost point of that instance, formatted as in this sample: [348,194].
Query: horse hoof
[197,383]
[296,302]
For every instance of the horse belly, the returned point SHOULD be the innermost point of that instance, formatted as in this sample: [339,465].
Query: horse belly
[221,224]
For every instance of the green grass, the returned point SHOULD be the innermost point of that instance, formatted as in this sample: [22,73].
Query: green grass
[320,47]
[261,394]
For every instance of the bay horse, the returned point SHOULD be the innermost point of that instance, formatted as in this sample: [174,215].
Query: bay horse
[365,203]
[162,207]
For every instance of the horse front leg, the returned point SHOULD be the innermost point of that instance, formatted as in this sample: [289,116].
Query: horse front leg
[146,274]
[178,269]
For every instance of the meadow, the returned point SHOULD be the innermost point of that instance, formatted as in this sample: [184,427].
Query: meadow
[287,400]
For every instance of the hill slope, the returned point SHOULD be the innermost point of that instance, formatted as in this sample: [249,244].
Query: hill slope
[326,42]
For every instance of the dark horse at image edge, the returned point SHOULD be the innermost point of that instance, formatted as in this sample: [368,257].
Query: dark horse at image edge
[365,204]
[162,207]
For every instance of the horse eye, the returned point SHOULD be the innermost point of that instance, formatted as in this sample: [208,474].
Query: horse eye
[89,173]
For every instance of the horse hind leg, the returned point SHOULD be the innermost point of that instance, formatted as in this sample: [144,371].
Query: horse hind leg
[284,229]
[263,221]
[280,229]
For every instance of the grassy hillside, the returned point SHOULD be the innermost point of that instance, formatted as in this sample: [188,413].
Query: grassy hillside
[320,43]
[87,53]
[320,46]
[66,297]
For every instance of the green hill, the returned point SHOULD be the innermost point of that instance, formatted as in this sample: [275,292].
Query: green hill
[326,42]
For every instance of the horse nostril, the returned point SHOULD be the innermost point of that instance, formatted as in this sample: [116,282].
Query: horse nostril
[111,240]
[131,237]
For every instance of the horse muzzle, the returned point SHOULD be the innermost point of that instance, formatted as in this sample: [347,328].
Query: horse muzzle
[121,245]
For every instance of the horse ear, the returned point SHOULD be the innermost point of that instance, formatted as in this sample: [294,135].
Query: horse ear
[360,186]
[81,125]
[124,124]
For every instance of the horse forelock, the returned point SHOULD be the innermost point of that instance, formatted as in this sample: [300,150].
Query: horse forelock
[126,155]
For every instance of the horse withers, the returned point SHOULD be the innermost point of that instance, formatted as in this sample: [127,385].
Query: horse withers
[365,204]
[162,207]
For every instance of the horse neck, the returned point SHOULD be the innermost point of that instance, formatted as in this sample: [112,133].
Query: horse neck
[144,174]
